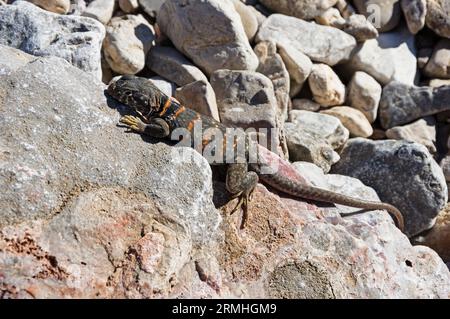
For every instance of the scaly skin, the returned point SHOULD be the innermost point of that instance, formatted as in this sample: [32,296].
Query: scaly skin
[161,115]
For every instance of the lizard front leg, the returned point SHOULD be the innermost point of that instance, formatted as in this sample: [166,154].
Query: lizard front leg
[241,183]
[157,127]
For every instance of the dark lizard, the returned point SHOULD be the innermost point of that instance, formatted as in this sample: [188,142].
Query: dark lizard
[160,115]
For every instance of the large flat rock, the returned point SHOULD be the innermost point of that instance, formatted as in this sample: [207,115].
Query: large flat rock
[320,43]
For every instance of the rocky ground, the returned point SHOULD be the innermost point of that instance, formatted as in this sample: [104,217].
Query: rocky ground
[356,93]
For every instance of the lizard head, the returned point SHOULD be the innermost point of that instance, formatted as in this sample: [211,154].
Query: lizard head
[139,93]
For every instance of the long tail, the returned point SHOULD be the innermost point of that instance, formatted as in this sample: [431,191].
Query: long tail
[297,189]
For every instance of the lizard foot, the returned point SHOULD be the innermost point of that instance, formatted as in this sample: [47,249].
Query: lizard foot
[133,123]
[244,199]
[243,203]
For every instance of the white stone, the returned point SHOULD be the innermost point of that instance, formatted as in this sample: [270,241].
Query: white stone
[364,94]
[390,57]
[327,88]
[325,126]
[101,10]
[353,119]
[127,42]
[422,131]
[298,65]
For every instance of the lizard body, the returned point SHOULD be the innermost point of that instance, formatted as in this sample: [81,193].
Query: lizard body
[162,115]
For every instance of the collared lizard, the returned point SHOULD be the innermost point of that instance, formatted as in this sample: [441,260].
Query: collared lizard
[160,115]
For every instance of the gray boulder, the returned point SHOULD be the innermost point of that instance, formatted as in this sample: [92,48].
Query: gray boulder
[401,103]
[246,99]
[173,66]
[65,140]
[402,173]
[27,27]
[313,137]
[209,32]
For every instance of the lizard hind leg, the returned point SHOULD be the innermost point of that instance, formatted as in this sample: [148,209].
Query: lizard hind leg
[241,183]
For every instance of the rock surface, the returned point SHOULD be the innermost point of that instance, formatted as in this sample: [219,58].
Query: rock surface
[353,119]
[438,17]
[271,65]
[438,238]
[422,131]
[172,65]
[415,12]
[101,10]
[313,137]
[390,57]
[71,180]
[387,166]
[445,165]
[326,87]
[249,93]
[331,17]
[303,9]
[151,7]
[92,212]
[401,103]
[359,27]
[305,105]
[364,94]
[248,18]
[188,25]
[166,86]
[127,42]
[42,33]
[327,127]
[439,64]
[199,96]
[309,147]
[320,43]
[345,8]
[298,65]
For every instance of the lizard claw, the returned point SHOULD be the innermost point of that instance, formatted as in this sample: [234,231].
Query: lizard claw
[133,123]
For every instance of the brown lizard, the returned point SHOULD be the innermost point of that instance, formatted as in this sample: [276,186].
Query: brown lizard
[160,116]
